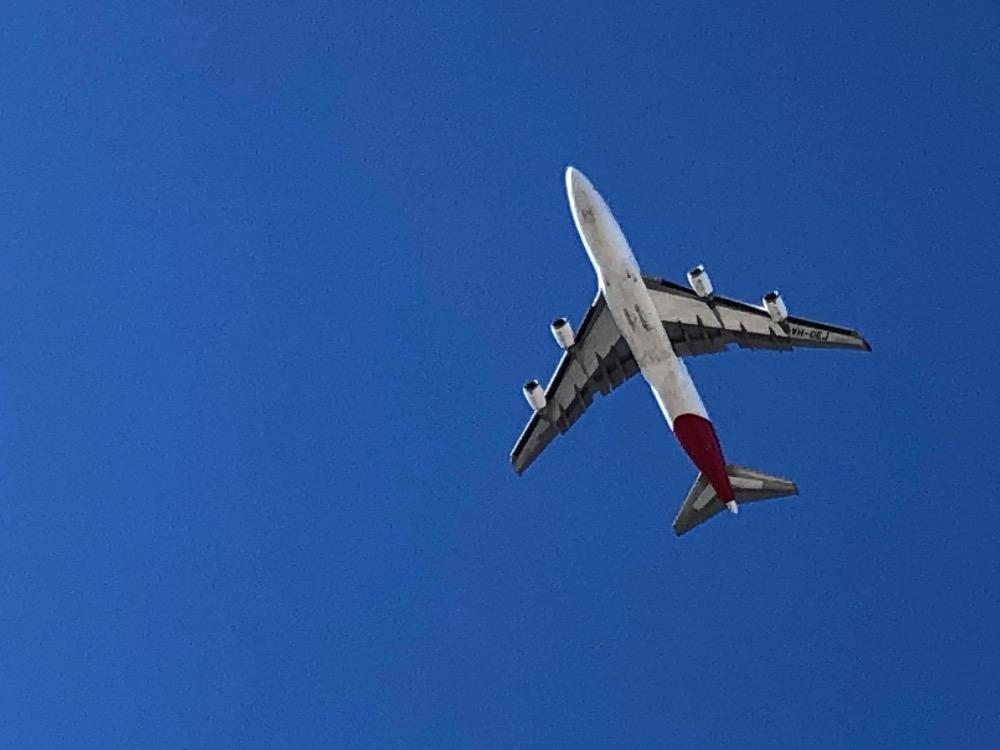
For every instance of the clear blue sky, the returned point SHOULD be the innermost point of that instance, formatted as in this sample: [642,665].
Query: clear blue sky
[271,282]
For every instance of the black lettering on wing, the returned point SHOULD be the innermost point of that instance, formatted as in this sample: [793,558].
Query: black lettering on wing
[813,334]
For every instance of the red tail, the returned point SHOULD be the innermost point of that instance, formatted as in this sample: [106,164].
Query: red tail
[698,439]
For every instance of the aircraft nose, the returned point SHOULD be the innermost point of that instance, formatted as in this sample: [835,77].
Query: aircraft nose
[575,180]
[584,201]
[599,232]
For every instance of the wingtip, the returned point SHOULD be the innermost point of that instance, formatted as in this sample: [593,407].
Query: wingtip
[868,346]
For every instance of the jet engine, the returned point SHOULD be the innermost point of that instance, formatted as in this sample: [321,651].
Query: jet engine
[699,281]
[562,332]
[776,307]
[535,395]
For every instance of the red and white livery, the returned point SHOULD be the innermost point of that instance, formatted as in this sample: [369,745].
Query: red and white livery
[647,325]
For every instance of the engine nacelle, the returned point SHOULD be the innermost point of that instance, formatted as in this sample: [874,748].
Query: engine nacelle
[776,307]
[535,395]
[699,281]
[562,332]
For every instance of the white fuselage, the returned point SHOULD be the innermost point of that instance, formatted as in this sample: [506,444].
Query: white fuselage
[629,302]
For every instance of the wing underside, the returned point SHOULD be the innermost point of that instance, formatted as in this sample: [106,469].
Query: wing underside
[698,325]
[598,362]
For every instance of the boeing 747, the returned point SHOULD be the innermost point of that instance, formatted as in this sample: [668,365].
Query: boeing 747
[641,324]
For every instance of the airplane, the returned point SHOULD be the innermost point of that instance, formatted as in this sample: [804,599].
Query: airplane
[644,324]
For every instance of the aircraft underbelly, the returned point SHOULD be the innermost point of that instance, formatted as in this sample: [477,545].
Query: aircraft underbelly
[630,304]
[637,318]
[628,300]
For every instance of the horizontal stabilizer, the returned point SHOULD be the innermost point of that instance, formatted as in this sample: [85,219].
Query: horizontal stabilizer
[749,486]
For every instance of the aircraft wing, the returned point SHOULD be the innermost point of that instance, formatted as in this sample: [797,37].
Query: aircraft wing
[598,362]
[699,325]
